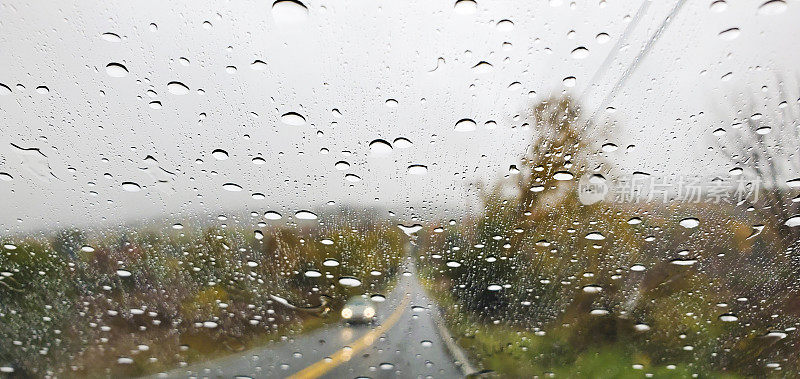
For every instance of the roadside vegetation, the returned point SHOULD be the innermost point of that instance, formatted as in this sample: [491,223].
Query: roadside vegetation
[141,300]
[540,282]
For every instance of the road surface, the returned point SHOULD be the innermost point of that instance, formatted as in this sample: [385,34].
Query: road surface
[404,342]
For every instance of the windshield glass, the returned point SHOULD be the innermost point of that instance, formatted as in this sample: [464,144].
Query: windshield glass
[568,188]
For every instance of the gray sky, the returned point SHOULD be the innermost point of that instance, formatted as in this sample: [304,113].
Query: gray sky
[95,125]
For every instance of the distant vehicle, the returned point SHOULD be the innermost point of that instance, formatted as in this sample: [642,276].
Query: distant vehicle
[358,310]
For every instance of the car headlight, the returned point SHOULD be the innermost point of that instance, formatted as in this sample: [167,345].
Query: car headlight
[347,313]
[369,312]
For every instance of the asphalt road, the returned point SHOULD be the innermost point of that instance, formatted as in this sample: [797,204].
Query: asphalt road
[404,343]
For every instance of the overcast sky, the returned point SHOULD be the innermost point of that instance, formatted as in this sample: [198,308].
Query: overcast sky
[87,83]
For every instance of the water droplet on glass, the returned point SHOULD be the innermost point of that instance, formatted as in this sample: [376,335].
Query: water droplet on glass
[728,317]
[563,175]
[313,274]
[482,67]
[123,273]
[293,119]
[330,263]
[569,81]
[342,165]
[465,7]
[602,38]
[131,187]
[258,65]
[219,154]
[465,125]
[689,223]
[352,178]
[42,90]
[391,103]
[772,7]
[177,88]
[380,148]
[271,215]
[793,221]
[417,169]
[289,12]
[305,215]
[505,26]
[110,37]
[595,236]
[233,187]
[349,281]
[729,34]
[494,287]
[579,53]
[116,70]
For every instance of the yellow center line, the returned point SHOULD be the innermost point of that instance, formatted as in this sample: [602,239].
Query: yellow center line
[344,354]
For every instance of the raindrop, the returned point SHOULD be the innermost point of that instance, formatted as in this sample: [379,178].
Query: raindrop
[592,289]
[330,263]
[124,360]
[719,6]
[505,26]
[219,154]
[417,169]
[563,175]
[87,249]
[6,177]
[402,143]
[305,215]
[641,327]
[342,165]
[638,268]
[42,90]
[386,366]
[312,274]
[772,7]
[131,187]
[689,223]
[177,226]
[123,273]
[4,90]
[177,88]
[609,147]
[793,221]
[271,215]
[378,298]
[258,235]
[598,312]
[465,125]
[155,104]
[258,196]
[595,236]
[494,287]
[210,324]
[111,37]
[683,262]
[728,317]
[482,67]
[252,264]
[258,65]
[602,38]
[453,264]
[116,70]
[465,7]
[569,81]
[391,103]
[349,281]
[352,178]
[293,119]
[380,148]
[326,241]
[233,187]
[288,12]
[729,34]
[426,343]
[579,53]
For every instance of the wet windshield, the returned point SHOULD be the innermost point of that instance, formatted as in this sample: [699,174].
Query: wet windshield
[565,188]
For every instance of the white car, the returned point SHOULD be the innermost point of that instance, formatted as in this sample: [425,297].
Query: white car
[358,310]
